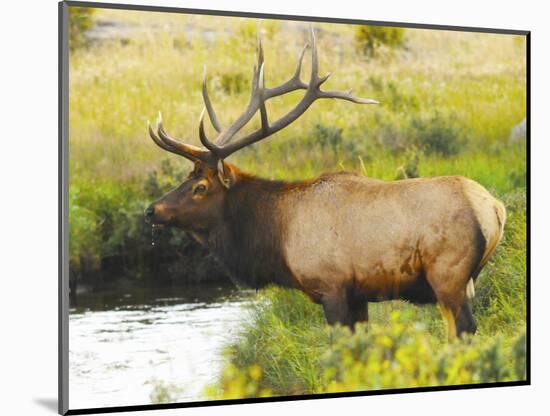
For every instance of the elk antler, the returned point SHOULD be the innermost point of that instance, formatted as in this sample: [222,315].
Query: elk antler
[222,146]
[170,144]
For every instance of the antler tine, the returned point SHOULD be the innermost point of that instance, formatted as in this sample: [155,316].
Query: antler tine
[348,96]
[263,110]
[202,135]
[221,147]
[211,113]
[258,64]
[256,102]
[259,95]
[313,92]
[293,84]
[162,139]
[260,50]
[157,140]
[314,60]
[315,81]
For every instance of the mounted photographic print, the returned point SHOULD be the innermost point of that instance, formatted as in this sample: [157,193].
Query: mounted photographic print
[265,208]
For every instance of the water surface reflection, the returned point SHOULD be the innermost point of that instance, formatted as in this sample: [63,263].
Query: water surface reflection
[120,343]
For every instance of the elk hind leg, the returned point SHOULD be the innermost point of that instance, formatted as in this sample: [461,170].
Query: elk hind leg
[449,318]
[460,320]
[451,292]
[465,322]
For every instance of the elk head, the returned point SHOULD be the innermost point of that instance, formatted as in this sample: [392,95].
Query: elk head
[197,204]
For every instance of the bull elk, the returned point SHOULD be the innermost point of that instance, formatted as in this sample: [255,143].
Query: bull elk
[343,239]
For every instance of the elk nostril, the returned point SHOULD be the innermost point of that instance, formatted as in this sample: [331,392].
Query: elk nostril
[149,212]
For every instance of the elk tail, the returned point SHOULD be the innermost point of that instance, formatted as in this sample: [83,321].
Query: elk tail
[491,245]
[470,289]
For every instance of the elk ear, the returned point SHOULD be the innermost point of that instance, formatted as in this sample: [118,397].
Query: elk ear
[225,174]
[198,169]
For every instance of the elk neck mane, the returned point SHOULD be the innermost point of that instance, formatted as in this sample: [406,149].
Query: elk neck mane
[249,239]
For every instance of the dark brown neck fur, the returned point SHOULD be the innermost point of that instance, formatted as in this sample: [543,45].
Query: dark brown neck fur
[248,240]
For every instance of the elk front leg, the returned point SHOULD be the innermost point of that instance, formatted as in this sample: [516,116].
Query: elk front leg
[336,308]
[345,308]
[359,309]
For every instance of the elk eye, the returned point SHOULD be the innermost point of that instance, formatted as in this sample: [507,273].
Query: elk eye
[200,189]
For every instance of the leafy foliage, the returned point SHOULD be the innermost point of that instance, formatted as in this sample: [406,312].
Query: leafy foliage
[369,38]
[439,135]
[400,354]
[80,21]
[327,137]
[411,167]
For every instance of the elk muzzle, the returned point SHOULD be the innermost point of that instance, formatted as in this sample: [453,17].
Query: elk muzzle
[149,213]
[158,214]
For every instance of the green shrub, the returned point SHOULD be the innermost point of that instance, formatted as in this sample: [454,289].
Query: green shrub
[84,238]
[327,137]
[411,168]
[80,21]
[370,38]
[168,177]
[239,384]
[437,134]
[233,83]
[402,355]
[399,354]
[393,95]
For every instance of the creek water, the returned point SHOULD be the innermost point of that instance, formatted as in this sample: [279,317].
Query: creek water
[124,344]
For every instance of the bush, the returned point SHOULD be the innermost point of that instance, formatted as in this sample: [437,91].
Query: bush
[400,354]
[394,95]
[233,83]
[403,356]
[84,239]
[436,134]
[411,168]
[80,21]
[369,38]
[109,238]
[239,384]
[327,137]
